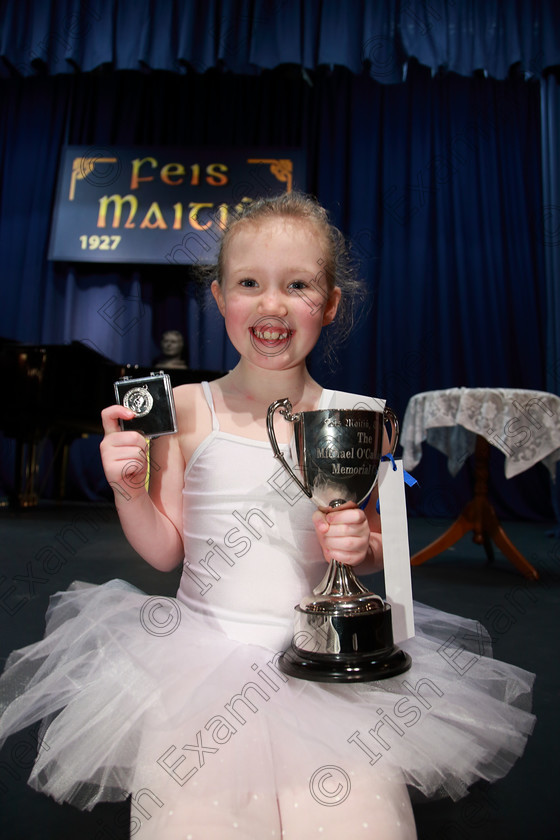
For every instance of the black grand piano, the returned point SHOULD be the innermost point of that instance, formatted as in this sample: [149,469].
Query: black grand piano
[56,392]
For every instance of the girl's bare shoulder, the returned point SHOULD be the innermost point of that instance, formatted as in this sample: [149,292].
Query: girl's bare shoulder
[194,419]
[186,396]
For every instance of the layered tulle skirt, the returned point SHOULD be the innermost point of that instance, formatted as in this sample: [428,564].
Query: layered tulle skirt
[141,696]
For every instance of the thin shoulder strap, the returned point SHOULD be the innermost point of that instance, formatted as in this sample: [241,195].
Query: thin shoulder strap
[210,401]
[325,399]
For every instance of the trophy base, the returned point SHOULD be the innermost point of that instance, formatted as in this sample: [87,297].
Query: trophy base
[343,667]
[334,646]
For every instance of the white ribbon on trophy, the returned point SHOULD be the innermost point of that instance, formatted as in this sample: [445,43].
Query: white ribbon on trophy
[394,525]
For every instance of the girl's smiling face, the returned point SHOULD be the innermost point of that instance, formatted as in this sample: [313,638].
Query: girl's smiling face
[273,293]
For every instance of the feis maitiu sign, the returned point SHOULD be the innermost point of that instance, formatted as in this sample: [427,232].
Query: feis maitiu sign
[159,205]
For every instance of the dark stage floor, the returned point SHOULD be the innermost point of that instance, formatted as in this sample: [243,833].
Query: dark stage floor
[521,616]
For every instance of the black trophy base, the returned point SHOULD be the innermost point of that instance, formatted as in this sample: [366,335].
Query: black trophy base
[363,641]
[322,667]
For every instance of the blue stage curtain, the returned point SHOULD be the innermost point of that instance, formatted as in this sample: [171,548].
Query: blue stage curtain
[246,36]
[436,182]
[550,233]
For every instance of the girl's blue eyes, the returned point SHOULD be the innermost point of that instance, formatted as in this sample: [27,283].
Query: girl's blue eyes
[252,284]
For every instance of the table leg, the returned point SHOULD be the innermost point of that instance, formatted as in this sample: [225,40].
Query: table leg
[480,517]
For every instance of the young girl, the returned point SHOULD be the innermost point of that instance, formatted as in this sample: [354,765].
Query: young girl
[180,702]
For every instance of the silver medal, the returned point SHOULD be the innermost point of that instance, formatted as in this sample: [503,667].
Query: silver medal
[139,400]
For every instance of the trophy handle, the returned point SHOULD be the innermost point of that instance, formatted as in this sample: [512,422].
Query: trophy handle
[285,408]
[390,416]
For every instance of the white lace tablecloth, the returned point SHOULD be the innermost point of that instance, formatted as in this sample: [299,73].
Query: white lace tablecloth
[524,425]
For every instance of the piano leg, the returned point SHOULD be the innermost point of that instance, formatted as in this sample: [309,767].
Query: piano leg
[61,443]
[26,468]
[26,479]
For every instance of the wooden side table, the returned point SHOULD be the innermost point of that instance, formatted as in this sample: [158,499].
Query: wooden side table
[524,425]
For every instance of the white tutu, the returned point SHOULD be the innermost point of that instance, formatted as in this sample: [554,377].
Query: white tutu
[139,695]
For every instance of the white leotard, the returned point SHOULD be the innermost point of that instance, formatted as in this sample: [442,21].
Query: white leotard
[251,552]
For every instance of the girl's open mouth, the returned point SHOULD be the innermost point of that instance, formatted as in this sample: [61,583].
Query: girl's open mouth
[270,334]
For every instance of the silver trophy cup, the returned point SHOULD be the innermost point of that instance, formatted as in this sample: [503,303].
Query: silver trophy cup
[343,632]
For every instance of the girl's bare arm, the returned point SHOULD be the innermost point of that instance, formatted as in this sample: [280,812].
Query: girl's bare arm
[152,522]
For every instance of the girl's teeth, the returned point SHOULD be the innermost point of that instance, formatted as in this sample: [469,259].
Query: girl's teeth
[270,335]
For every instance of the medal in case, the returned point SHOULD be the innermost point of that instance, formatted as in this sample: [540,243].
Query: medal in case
[151,399]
